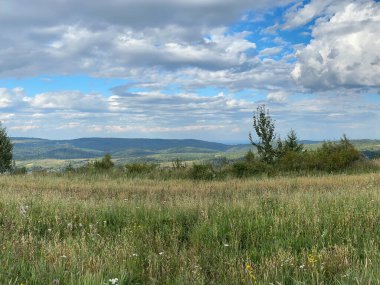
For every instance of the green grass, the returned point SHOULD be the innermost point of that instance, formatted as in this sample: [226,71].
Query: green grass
[88,229]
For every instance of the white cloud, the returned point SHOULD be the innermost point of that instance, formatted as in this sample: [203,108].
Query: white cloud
[277,96]
[344,51]
[271,51]
[299,15]
[72,100]
[11,97]
[23,128]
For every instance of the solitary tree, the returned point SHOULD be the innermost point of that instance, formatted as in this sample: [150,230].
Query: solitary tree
[263,125]
[6,149]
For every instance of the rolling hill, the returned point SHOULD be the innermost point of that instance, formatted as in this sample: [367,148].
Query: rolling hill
[35,152]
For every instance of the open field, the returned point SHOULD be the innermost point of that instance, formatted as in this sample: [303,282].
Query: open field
[89,229]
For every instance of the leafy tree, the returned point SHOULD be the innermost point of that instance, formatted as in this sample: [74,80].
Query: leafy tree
[263,125]
[6,148]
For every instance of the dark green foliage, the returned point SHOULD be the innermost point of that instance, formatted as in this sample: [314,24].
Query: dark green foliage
[69,168]
[246,169]
[263,125]
[104,164]
[6,151]
[334,156]
[202,172]
[19,171]
[293,161]
[140,168]
[250,166]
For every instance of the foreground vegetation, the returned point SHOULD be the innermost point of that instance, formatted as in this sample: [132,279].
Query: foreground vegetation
[87,229]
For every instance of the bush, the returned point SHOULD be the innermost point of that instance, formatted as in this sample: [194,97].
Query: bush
[19,171]
[202,172]
[334,156]
[250,168]
[104,164]
[292,161]
[140,168]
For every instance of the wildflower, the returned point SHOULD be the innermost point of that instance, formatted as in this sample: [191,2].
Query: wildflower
[250,272]
[312,258]
[302,266]
[161,253]
[114,281]
[24,209]
[63,256]
[49,230]
[134,254]
[226,244]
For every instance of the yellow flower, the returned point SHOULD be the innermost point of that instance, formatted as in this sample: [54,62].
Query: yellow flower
[251,272]
[312,259]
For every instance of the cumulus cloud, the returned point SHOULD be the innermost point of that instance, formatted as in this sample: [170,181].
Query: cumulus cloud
[72,100]
[344,52]
[270,51]
[11,97]
[149,42]
[277,96]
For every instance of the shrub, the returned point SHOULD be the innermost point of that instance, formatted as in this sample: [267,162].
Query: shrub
[20,170]
[334,156]
[104,164]
[202,172]
[292,161]
[250,166]
[139,168]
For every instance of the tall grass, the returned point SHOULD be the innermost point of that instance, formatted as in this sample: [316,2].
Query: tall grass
[79,229]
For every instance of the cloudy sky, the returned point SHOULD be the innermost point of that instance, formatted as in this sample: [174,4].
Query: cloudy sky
[189,68]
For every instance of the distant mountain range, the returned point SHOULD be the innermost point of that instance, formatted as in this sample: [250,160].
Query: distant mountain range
[152,150]
[84,148]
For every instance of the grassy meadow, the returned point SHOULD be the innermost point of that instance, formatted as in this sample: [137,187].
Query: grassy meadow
[74,229]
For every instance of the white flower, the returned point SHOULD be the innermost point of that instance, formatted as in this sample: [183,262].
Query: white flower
[134,254]
[114,281]
[302,266]
[226,244]
[24,209]
[161,253]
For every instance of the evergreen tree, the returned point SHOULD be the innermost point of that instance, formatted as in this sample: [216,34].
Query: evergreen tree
[291,142]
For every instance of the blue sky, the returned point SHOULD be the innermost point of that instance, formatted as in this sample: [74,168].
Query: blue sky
[189,68]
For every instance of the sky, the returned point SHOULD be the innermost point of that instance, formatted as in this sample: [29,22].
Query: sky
[189,68]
